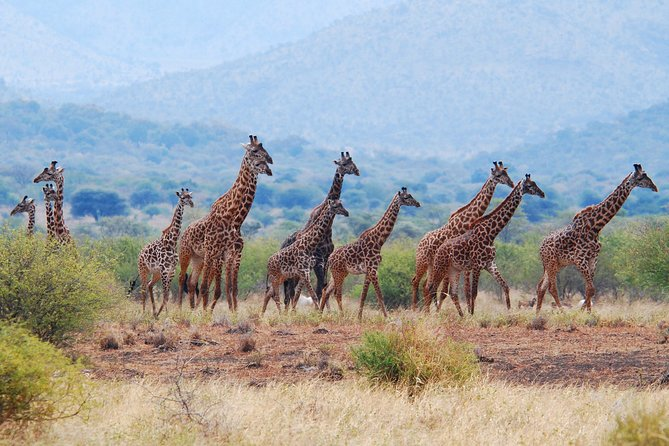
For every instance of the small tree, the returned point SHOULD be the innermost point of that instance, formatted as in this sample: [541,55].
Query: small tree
[98,203]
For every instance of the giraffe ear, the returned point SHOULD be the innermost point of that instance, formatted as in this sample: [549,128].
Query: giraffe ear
[25,197]
[177,194]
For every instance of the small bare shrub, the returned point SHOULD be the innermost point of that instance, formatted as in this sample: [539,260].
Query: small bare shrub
[538,323]
[109,341]
[163,340]
[247,343]
[129,338]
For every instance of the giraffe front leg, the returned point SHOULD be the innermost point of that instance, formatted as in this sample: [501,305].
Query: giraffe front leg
[166,278]
[237,261]
[152,283]
[310,289]
[542,287]
[452,283]
[379,296]
[588,275]
[363,296]
[184,260]
[204,289]
[296,296]
[319,272]
[474,289]
[268,296]
[552,288]
[195,273]
[494,271]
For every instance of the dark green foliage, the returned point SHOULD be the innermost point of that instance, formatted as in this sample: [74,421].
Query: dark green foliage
[37,382]
[53,290]
[98,203]
[395,273]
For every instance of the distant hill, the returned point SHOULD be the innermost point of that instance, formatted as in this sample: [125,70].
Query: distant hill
[34,57]
[185,34]
[437,77]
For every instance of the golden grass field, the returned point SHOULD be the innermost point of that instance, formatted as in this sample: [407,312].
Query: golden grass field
[210,392]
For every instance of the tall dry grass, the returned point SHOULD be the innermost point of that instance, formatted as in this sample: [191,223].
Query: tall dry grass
[349,412]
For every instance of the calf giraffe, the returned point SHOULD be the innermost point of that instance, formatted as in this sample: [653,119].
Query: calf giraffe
[578,243]
[296,260]
[345,166]
[158,259]
[52,173]
[216,239]
[364,255]
[458,223]
[26,205]
[49,197]
[474,250]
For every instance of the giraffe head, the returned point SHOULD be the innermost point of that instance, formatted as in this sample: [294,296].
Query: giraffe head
[641,179]
[531,188]
[185,197]
[499,174]
[256,151]
[346,166]
[337,207]
[49,193]
[25,205]
[49,173]
[405,198]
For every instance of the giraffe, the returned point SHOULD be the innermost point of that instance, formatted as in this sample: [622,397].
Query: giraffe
[49,197]
[55,174]
[458,223]
[345,166]
[578,243]
[26,205]
[474,251]
[297,259]
[215,240]
[363,256]
[158,259]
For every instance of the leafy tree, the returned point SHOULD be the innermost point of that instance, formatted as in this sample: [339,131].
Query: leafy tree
[98,203]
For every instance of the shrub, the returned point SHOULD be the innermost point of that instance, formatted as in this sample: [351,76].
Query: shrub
[642,427]
[37,381]
[53,290]
[395,273]
[413,358]
[253,269]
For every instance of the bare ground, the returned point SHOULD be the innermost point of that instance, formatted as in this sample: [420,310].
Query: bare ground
[626,356]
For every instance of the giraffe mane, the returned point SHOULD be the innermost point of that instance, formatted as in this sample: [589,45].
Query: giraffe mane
[497,208]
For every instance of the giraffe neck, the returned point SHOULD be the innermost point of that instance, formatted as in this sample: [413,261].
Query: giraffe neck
[312,236]
[466,215]
[171,233]
[49,219]
[31,220]
[233,206]
[58,220]
[595,217]
[492,224]
[334,193]
[382,229]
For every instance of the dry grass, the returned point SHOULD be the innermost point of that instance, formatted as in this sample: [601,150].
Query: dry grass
[347,413]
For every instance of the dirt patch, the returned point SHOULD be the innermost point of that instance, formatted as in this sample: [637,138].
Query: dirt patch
[625,356]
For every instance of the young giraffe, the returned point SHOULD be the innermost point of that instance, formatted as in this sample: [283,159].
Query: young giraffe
[295,261]
[474,251]
[49,197]
[51,173]
[215,239]
[158,259]
[578,244]
[26,205]
[364,255]
[458,223]
[345,166]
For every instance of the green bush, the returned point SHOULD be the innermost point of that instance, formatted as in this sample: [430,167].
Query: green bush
[37,382]
[414,357]
[648,428]
[253,269]
[54,290]
[395,273]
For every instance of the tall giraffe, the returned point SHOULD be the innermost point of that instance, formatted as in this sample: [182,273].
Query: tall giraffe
[50,196]
[215,239]
[345,166]
[364,255]
[474,250]
[578,243]
[296,260]
[55,174]
[458,223]
[158,259]
[26,205]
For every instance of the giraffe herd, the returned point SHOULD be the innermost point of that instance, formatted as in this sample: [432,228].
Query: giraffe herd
[463,247]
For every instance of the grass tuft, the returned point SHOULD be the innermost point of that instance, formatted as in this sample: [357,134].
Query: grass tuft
[644,427]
